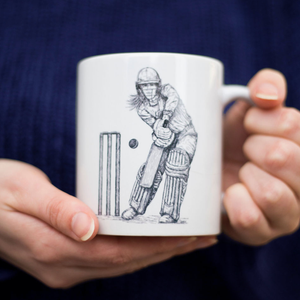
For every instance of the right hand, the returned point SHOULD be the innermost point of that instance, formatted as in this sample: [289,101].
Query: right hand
[161,132]
[42,231]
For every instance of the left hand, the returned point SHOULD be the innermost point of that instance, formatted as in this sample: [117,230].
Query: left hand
[261,168]
[52,235]
[163,143]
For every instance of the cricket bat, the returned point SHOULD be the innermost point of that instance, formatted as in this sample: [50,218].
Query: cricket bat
[152,163]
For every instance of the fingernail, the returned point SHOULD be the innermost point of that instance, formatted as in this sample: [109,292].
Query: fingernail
[207,242]
[267,91]
[83,226]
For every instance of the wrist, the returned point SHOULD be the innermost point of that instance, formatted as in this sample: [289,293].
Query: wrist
[167,115]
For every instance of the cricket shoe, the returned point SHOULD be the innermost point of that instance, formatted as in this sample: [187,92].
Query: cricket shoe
[129,213]
[167,219]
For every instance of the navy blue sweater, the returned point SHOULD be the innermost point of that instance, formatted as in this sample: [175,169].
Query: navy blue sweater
[40,45]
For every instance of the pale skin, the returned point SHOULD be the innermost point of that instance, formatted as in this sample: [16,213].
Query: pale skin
[53,236]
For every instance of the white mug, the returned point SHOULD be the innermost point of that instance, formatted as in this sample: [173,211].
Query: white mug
[149,142]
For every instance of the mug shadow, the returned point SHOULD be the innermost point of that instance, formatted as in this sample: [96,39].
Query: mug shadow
[141,219]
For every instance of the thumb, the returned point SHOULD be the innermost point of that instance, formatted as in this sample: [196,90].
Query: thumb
[33,194]
[268,88]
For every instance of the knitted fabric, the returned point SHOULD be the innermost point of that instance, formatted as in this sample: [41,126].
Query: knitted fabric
[41,43]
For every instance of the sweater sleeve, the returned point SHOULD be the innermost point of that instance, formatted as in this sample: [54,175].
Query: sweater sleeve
[146,116]
[172,99]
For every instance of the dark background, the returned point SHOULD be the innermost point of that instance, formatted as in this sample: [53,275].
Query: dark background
[40,45]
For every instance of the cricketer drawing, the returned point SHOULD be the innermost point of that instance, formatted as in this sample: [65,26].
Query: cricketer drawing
[174,145]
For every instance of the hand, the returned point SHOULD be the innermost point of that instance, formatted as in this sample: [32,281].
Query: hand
[163,143]
[162,132]
[42,231]
[261,164]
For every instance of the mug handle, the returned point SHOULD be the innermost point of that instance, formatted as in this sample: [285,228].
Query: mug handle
[231,93]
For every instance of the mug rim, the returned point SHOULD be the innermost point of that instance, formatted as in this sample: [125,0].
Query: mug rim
[124,54]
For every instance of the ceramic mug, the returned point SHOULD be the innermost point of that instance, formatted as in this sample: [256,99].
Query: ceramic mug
[149,142]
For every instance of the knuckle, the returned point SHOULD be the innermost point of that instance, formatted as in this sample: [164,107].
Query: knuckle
[289,122]
[278,155]
[271,193]
[21,177]
[271,74]
[135,266]
[118,257]
[246,169]
[44,254]
[269,71]
[262,240]
[247,220]
[55,281]
[292,226]
[55,210]
[230,191]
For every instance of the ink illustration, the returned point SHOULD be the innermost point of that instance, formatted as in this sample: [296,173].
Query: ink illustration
[174,144]
[171,153]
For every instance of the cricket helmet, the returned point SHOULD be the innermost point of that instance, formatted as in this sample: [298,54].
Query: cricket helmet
[148,75]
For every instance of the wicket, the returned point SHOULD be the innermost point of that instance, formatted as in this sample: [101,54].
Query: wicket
[107,139]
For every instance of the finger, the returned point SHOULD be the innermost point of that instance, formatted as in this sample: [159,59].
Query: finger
[234,132]
[163,136]
[67,277]
[244,221]
[268,88]
[275,199]
[198,243]
[119,266]
[34,195]
[277,156]
[283,122]
[161,143]
[119,251]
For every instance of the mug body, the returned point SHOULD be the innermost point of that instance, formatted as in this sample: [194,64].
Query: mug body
[149,143]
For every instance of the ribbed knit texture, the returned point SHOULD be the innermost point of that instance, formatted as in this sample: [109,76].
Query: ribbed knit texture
[40,45]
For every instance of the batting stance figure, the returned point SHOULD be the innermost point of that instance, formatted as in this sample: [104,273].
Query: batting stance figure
[174,146]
